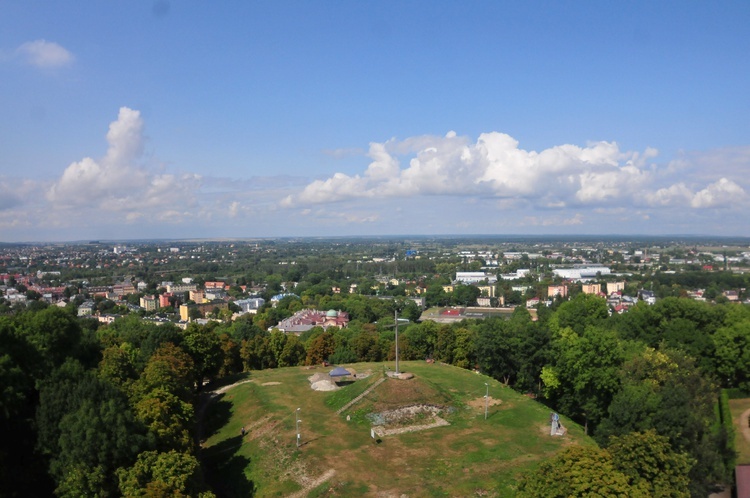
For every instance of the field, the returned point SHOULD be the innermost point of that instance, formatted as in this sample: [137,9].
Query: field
[739,409]
[338,457]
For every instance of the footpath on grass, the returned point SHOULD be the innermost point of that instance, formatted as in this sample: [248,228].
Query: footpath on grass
[203,403]
[358,398]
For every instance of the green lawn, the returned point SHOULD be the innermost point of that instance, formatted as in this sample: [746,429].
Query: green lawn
[467,458]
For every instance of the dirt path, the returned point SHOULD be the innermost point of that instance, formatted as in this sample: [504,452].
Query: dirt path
[312,484]
[744,426]
[203,403]
[230,386]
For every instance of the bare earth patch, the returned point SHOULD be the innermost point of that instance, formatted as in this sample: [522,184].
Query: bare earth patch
[271,384]
[310,484]
[407,419]
[744,426]
[479,402]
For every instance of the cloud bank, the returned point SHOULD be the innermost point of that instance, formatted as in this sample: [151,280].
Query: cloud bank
[563,176]
[420,185]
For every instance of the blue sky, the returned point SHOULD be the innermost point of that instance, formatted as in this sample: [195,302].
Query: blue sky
[243,119]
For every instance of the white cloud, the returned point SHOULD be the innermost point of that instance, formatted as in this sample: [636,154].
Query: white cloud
[719,194]
[677,194]
[9,197]
[599,175]
[118,183]
[44,54]
[494,166]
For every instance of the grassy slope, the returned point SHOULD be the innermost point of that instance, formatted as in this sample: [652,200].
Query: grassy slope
[463,459]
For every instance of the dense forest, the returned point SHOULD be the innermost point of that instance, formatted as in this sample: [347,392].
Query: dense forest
[111,410]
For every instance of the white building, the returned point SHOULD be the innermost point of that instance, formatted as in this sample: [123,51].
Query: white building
[581,272]
[250,305]
[473,277]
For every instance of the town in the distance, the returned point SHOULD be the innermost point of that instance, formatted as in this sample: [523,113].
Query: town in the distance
[444,279]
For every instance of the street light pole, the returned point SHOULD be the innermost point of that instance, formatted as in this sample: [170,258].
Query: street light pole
[298,421]
[395,314]
[486,400]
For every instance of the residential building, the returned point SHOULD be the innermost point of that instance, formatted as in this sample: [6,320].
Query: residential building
[557,290]
[86,308]
[250,305]
[164,300]
[149,303]
[216,293]
[215,285]
[180,287]
[306,319]
[487,290]
[203,308]
[592,289]
[615,287]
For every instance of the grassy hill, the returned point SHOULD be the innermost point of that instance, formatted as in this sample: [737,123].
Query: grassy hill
[470,457]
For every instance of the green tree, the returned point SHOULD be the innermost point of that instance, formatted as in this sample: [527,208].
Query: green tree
[167,474]
[586,368]
[204,347]
[320,349]
[732,355]
[580,312]
[651,465]
[98,435]
[168,418]
[169,368]
[293,352]
[464,351]
[576,471]
[666,391]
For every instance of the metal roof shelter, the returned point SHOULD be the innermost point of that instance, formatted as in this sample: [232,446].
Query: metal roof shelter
[339,372]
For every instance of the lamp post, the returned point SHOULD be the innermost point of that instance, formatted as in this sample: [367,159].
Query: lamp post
[395,314]
[486,400]
[298,421]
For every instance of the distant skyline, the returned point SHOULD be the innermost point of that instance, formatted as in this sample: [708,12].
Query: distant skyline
[198,120]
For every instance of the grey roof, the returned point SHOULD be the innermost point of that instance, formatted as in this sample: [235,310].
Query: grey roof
[339,372]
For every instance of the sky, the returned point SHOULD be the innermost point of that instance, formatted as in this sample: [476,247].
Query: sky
[241,119]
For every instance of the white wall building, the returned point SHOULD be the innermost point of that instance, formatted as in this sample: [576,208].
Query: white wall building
[582,272]
[473,277]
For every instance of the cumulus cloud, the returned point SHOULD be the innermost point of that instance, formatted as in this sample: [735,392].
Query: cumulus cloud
[494,166]
[719,194]
[44,54]
[8,196]
[118,182]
